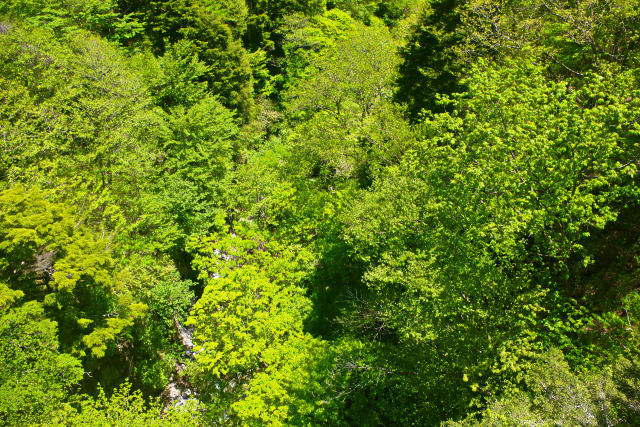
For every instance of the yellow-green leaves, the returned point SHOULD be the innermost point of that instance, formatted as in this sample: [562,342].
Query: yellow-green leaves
[246,314]
[35,378]
[467,238]
[249,325]
[83,125]
[127,406]
[346,127]
[48,255]
[251,303]
[8,296]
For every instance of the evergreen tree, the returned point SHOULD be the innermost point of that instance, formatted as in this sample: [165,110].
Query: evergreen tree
[431,63]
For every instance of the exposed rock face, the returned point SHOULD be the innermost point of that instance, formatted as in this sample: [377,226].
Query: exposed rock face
[43,263]
[178,392]
[185,337]
[5,27]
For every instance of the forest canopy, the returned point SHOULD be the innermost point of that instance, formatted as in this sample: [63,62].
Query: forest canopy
[327,212]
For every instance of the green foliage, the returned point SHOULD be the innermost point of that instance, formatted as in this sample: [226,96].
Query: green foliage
[213,30]
[266,16]
[347,126]
[35,378]
[69,17]
[258,314]
[305,37]
[170,300]
[47,255]
[198,142]
[81,123]
[198,145]
[452,235]
[242,304]
[431,64]
[558,396]
[176,78]
[390,11]
[361,214]
[571,37]
[249,327]
[151,349]
[127,407]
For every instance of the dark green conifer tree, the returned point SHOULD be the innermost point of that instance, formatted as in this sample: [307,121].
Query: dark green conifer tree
[431,65]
